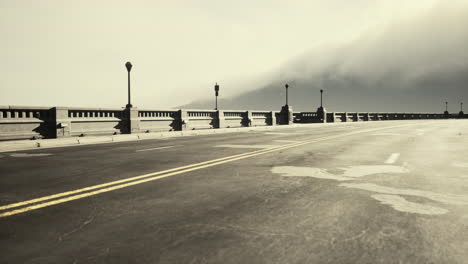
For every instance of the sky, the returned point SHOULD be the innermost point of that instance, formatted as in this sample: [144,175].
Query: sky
[72,53]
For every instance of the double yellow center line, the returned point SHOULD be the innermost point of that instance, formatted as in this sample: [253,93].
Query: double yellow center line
[64,197]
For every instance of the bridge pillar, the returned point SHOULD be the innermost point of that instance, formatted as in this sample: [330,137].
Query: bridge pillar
[286,115]
[183,120]
[272,118]
[62,124]
[132,120]
[249,118]
[322,114]
[220,121]
[446,114]
[333,116]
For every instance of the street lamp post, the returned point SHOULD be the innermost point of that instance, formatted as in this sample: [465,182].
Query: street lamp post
[446,113]
[461,110]
[321,112]
[286,111]
[216,88]
[321,98]
[128,65]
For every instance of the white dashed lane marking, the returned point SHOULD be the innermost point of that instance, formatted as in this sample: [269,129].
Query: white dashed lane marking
[393,158]
[140,150]
[276,133]
[27,155]
[286,141]
[284,133]
[246,146]
[386,134]
[460,164]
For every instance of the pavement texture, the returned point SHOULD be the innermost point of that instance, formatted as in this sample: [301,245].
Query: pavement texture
[370,192]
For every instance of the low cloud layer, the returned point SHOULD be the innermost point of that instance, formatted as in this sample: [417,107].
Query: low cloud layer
[409,65]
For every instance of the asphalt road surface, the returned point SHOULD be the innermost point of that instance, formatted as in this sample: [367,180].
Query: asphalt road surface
[367,192]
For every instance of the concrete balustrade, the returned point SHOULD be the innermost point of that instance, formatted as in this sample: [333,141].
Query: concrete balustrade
[158,120]
[308,117]
[73,121]
[202,119]
[22,122]
[232,118]
[19,122]
[261,118]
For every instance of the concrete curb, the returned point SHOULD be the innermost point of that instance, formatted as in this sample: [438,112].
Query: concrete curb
[9,146]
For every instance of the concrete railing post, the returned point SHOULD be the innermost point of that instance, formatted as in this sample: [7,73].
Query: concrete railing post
[249,117]
[183,120]
[272,118]
[287,115]
[220,121]
[333,116]
[322,115]
[132,120]
[60,123]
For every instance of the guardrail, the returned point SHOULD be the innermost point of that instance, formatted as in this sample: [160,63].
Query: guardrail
[22,122]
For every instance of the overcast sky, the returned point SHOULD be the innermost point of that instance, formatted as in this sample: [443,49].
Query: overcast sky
[72,53]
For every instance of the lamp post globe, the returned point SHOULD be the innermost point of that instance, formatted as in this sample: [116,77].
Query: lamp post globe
[129,66]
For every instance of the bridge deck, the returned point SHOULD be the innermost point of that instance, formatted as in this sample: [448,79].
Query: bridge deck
[346,193]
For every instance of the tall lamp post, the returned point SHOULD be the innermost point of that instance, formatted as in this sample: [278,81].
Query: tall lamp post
[216,88]
[322,113]
[128,65]
[461,109]
[446,113]
[286,86]
[321,98]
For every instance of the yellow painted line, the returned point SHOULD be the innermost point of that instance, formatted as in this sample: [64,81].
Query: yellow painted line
[49,197]
[79,196]
[170,172]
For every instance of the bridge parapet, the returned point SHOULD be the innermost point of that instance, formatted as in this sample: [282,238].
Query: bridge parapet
[261,118]
[233,118]
[25,122]
[158,120]
[74,121]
